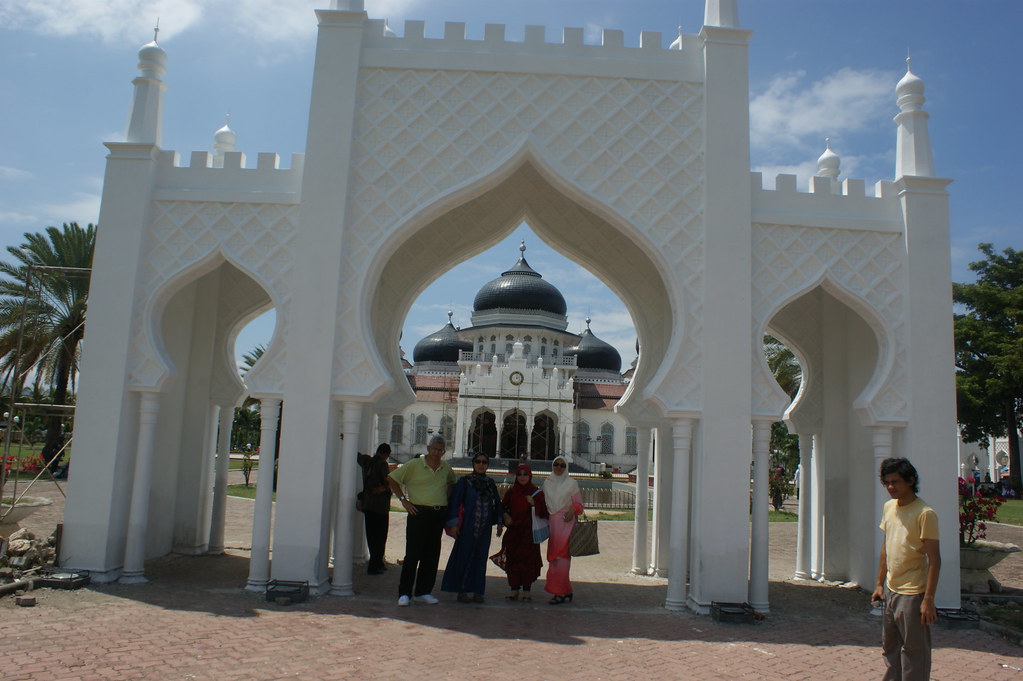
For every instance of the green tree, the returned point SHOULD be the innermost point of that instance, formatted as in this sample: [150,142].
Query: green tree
[45,291]
[785,367]
[245,429]
[989,352]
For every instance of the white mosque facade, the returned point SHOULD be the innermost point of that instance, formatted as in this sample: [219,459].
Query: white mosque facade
[422,152]
[517,383]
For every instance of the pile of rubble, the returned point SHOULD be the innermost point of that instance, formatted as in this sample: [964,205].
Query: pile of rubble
[23,552]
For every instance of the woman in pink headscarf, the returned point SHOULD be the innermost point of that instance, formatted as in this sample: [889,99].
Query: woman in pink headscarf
[564,503]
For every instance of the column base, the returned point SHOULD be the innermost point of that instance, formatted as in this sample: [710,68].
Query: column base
[640,571]
[761,607]
[675,605]
[132,578]
[341,590]
[800,575]
[255,585]
[215,551]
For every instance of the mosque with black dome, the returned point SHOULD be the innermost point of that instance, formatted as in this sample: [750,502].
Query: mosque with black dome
[517,382]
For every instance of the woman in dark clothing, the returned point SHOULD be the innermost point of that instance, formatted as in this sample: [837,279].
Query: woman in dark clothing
[376,505]
[474,507]
[522,556]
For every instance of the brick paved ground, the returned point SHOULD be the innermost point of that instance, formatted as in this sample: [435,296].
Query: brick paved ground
[193,621]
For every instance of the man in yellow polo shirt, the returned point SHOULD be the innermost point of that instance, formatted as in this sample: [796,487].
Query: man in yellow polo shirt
[427,482]
[908,574]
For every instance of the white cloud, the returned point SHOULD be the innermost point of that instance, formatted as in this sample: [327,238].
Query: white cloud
[82,208]
[792,112]
[10,217]
[109,20]
[13,174]
[112,21]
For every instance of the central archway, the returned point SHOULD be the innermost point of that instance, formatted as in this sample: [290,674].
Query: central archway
[578,226]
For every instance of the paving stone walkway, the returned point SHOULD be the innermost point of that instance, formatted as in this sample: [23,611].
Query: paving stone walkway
[194,621]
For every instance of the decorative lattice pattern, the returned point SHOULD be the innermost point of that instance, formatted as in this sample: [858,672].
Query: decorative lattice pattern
[183,235]
[787,260]
[633,144]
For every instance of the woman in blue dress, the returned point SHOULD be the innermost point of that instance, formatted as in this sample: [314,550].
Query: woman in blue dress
[474,507]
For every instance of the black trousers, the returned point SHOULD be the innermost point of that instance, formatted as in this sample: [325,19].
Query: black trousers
[376,537]
[422,550]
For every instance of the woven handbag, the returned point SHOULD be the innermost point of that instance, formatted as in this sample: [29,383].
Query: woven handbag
[583,540]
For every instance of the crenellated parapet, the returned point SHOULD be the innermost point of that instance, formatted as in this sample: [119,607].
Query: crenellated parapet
[267,182]
[496,52]
[845,204]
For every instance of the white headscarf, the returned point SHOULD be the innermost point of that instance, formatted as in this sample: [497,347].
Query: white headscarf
[559,489]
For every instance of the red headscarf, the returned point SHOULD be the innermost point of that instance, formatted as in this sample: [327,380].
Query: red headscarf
[515,499]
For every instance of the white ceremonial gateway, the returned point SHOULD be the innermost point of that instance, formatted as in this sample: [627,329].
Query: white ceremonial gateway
[422,152]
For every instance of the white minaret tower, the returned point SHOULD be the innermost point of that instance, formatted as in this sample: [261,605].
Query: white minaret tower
[913,147]
[828,163]
[145,124]
[224,140]
[723,13]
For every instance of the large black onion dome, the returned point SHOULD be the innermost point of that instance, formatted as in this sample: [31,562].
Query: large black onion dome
[520,288]
[440,346]
[593,353]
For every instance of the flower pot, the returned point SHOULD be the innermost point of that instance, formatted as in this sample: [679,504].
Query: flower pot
[24,507]
[975,563]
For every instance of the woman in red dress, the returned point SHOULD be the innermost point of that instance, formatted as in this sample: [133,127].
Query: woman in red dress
[522,556]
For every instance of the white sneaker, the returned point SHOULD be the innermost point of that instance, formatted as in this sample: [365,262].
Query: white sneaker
[404,601]
[429,599]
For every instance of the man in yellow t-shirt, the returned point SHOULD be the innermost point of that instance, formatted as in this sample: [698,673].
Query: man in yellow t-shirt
[908,574]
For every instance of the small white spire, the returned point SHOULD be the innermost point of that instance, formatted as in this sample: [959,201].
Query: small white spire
[224,140]
[828,164]
[913,145]
[145,122]
[677,44]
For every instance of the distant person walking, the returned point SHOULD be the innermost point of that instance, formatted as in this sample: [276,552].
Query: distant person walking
[908,574]
[376,505]
[427,482]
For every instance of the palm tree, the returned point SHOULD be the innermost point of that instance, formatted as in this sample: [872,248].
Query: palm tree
[784,365]
[43,297]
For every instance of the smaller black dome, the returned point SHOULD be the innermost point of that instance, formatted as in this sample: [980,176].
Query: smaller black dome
[440,346]
[593,353]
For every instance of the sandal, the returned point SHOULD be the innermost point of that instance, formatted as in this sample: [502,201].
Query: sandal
[513,596]
[526,598]
[463,597]
[478,598]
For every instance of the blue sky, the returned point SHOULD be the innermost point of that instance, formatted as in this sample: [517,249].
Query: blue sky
[818,68]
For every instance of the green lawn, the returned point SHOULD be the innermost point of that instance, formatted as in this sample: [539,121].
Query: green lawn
[781,517]
[244,492]
[1011,512]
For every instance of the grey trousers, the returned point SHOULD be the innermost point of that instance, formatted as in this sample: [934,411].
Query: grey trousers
[905,642]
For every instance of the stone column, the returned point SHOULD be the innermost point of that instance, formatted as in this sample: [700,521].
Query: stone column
[219,514]
[641,533]
[344,522]
[682,441]
[259,561]
[882,443]
[662,503]
[138,516]
[758,563]
[817,508]
[804,532]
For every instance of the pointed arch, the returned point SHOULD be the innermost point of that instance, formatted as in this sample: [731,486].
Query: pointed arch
[523,186]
